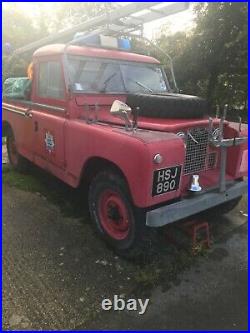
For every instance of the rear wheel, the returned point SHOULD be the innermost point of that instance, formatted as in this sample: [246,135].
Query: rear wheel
[116,219]
[15,159]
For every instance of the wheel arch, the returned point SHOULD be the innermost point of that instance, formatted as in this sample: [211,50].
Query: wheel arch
[94,165]
[6,128]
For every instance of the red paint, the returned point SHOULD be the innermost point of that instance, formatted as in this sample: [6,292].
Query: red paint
[114,216]
[58,49]
[78,142]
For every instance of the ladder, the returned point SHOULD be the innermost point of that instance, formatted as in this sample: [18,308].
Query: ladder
[126,19]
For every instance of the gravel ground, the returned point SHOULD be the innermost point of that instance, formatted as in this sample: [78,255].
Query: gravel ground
[56,273]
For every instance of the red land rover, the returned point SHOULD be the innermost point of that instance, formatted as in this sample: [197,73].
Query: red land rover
[108,117]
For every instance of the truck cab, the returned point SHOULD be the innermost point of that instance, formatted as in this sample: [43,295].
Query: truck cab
[109,118]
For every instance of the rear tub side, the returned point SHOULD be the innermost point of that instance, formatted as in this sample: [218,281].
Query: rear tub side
[131,152]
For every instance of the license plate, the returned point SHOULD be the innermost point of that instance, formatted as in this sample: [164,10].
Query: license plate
[166,180]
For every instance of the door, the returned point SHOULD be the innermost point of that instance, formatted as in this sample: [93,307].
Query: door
[27,135]
[49,111]
[20,118]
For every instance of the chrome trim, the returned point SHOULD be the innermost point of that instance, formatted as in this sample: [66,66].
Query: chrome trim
[191,136]
[31,104]
[51,107]
[18,108]
[157,159]
[14,111]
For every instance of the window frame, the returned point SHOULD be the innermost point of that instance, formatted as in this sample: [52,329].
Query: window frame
[50,100]
[115,61]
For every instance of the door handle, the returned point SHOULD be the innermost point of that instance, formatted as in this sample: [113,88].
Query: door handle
[36,126]
[28,114]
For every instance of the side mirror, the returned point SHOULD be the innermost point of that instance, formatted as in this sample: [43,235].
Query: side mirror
[122,111]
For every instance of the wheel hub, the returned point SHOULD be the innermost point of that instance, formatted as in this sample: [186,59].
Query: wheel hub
[114,215]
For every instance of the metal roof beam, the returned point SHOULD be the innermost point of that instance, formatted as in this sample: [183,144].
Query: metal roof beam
[155,14]
[92,23]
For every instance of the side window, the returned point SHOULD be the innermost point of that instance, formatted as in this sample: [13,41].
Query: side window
[50,83]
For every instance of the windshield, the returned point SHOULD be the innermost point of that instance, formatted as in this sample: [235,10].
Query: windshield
[112,76]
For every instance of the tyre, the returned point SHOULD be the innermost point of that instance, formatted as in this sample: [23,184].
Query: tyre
[168,105]
[17,161]
[116,219]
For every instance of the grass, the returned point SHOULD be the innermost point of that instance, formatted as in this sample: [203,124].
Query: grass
[21,181]
[71,201]
[163,272]
[166,265]
[147,276]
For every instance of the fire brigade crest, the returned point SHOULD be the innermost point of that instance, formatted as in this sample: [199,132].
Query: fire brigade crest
[49,142]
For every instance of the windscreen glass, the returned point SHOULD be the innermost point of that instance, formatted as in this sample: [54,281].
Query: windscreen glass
[112,76]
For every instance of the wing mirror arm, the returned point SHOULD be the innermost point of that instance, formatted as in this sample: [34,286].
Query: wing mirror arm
[122,111]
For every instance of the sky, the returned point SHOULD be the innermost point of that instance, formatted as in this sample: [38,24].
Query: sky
[178,22]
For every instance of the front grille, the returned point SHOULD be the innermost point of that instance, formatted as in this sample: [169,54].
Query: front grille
[211,160]
[196,150]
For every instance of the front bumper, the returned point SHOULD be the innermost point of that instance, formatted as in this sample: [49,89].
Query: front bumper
[193,205]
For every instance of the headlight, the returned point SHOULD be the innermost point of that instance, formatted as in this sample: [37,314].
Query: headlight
[158,159]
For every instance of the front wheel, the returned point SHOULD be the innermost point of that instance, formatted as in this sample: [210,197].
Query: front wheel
[116,219]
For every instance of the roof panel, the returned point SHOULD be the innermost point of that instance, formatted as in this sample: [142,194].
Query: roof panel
[57,49]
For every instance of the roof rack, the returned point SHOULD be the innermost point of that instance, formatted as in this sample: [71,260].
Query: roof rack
[120,33]
[125,19]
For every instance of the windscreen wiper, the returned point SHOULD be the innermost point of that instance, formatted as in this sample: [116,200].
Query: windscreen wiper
[141,85]
[107,81]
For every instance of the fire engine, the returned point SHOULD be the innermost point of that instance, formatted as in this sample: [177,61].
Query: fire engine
[93,111]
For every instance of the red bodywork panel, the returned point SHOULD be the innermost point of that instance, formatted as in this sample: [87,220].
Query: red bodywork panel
[59,139]
[57,50]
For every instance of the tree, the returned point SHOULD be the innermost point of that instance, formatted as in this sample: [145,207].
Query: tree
[68,14]
[17,28]
[222,31]
[211,60]
[18,25]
